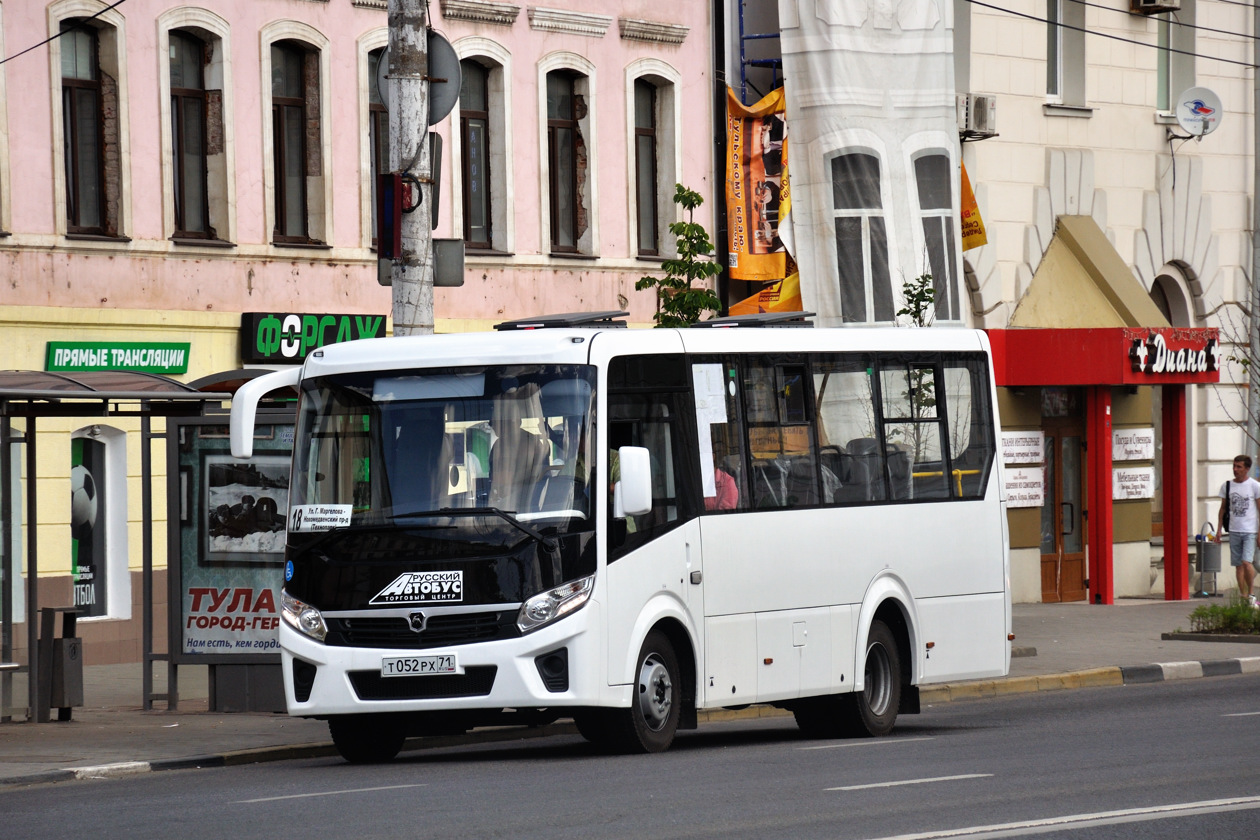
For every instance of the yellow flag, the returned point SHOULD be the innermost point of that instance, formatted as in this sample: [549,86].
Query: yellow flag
[973,235]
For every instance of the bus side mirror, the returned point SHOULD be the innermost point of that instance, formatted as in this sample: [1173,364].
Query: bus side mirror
[632,495]
[245,406]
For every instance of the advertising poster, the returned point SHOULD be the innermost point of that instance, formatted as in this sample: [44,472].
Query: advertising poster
[756,186]
[784,296]
[88,524]
[232,535]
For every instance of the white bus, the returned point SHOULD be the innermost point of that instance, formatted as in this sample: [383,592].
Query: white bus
[630,526]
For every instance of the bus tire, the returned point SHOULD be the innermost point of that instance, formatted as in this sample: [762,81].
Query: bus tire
[872,711]
[597,726]
[367,739]
[821,717]
[650,723]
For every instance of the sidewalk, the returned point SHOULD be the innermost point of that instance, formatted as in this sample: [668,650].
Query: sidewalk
[1057,647]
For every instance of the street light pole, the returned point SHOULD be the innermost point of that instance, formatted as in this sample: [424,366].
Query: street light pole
[412,273]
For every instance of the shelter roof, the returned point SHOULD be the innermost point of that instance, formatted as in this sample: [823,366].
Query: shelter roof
[36,393]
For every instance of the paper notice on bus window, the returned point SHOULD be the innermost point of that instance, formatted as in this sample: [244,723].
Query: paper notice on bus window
[319,517]
[710,388]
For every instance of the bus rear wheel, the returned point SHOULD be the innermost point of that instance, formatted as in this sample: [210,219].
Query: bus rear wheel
[873,710]
[367,739]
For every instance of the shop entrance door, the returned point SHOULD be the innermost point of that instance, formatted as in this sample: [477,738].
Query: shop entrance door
[1062,517]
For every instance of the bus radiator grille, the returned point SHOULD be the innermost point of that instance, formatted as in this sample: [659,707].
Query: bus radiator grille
[440,631]
[476,681]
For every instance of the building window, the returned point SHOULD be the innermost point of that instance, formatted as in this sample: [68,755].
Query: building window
[188,136]
[932,175]
[288,122]
[474,128]
[861,239]
[562,156]
[81,110]
[1175,70]
[1065,52]
[646,166]
[378,130]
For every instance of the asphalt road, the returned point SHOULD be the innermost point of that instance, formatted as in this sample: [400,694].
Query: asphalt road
[1139,760]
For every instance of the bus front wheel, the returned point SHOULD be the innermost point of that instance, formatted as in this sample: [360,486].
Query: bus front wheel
[650,723]
[873,710]
[367,739]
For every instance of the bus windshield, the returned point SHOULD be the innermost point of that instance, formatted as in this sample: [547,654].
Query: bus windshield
[395,447]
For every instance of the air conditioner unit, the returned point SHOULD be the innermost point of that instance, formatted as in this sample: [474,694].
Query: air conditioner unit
[1153,7]
[977,116]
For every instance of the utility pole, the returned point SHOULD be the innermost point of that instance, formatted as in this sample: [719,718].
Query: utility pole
[412,275]
[1253,318]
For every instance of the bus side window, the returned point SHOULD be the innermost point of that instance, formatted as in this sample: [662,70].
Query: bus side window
[968,420]
[913,432]
[644,409]
[846,428]
[724,486]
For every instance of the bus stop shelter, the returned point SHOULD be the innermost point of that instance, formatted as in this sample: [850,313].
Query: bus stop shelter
[30,396]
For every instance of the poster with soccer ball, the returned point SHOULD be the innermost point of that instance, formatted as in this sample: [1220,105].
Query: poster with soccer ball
[88,525]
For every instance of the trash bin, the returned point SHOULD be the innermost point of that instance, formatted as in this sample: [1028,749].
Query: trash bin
[60,664]
[1208,557]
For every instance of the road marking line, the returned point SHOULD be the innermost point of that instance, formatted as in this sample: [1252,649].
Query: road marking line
[871,743]
[1241,714]
[325,793]
[1077,821]
[914,782]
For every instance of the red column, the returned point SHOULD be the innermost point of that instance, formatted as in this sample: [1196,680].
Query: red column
[1102,584]
[1176,504]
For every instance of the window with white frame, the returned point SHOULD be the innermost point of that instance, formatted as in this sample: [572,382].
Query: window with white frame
[1065,52]
[195,89]
[289,97]
[565,146]
[296,133]
[652,159]
[933,177]
[861,239]
[1175,70]
[646,168]
[378,130]
[91,150]
[86,92]
[475,140]
[187,61]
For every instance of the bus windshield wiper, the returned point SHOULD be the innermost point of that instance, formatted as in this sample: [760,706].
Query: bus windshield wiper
[548,544]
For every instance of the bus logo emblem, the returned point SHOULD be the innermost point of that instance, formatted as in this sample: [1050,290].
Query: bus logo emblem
[422,588]
[416,621]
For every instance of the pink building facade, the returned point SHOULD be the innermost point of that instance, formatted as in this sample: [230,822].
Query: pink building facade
[175,174]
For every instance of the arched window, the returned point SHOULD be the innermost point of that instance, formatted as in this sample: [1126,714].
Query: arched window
[861,239]
[933,177]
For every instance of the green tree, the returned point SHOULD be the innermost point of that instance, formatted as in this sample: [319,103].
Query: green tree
[680,302]
[919,295]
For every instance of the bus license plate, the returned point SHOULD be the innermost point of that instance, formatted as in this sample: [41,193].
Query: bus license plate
[411,666]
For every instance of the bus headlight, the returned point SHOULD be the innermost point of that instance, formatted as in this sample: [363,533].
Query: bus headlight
[548,606]
[302,617]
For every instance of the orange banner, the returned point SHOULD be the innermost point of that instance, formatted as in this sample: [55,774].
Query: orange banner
[973,235]
[784,296]
[756,186]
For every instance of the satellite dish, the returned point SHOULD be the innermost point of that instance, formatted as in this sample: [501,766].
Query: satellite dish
[445,77]
[1198,111]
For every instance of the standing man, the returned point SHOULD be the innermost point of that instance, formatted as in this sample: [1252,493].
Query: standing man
[1243,497]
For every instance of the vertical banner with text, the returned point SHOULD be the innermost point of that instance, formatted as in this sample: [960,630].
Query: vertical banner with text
[756,187]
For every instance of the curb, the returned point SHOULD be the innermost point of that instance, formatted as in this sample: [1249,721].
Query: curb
[942,693]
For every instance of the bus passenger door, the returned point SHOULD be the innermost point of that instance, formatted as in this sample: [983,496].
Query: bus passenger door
[654,568]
